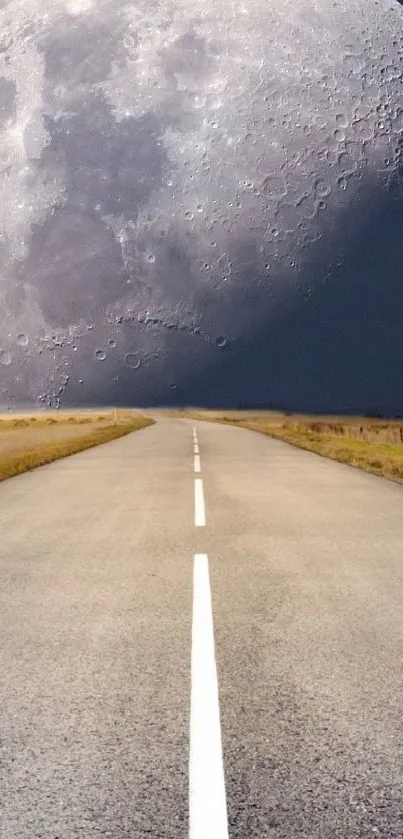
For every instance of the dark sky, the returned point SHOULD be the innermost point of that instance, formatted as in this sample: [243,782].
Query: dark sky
[202,208]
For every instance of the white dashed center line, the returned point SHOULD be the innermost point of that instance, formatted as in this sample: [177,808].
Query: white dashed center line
[207,798]
[200,515]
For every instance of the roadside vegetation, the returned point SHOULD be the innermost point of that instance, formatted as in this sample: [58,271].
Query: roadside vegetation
[375,445]
[31,440]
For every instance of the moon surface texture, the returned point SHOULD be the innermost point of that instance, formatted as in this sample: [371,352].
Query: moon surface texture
[201,203]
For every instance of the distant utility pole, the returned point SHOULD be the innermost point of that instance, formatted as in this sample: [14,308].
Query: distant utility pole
[114,414]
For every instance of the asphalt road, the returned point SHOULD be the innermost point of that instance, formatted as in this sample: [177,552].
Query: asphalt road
[107,669]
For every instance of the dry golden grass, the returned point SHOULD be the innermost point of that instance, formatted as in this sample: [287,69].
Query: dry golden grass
[30,441]
[373,445]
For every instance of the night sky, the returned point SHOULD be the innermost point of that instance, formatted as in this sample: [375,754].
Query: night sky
[202,203]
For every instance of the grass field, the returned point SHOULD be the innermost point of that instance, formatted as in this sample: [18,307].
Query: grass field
[373,445]
[31,440]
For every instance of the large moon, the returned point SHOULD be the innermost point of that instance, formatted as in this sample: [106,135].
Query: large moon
[201,203]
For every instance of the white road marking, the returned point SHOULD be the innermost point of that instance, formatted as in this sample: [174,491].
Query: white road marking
[196,448]
[207,798]
[197,463]
[200,516]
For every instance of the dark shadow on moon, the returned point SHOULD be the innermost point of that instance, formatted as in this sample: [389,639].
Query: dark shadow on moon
[113,165]
[8,94]
[104,165]
[79,51]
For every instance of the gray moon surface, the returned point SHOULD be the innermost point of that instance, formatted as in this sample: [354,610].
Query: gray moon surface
[201,203]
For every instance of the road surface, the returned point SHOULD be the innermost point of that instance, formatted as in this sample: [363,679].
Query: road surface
[200,631]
